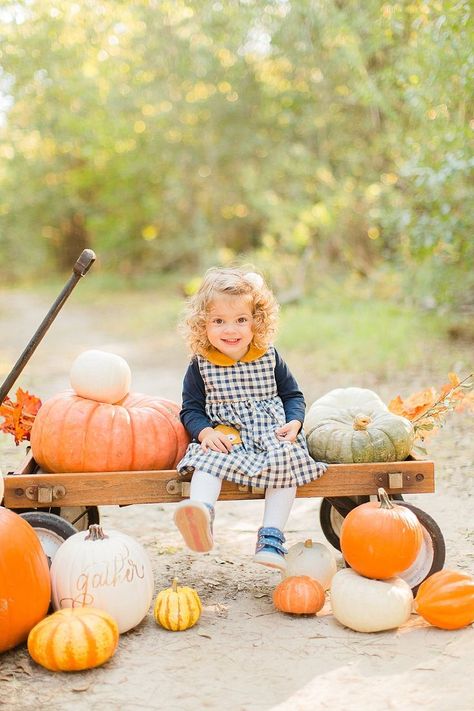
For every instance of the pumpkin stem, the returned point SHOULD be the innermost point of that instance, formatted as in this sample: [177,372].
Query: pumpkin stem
[308,543]
[174,585]
[361,422]
[385,502]
[96,533]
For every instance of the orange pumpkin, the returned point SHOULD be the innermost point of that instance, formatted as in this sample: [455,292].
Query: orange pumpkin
[300,595]
[446,599]
[74,639]
[75,434]
[380,539]
[25,587]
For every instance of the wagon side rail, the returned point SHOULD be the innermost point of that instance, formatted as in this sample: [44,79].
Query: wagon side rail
[28,488]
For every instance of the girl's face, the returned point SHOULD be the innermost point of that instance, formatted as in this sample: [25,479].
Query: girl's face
[229,326]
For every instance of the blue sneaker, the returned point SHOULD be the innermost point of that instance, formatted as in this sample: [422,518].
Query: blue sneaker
[270,550]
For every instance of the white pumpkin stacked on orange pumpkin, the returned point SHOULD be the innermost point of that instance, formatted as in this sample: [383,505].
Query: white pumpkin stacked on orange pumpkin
[100,425]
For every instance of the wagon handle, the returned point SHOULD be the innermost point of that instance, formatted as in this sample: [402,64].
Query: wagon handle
[81,267]
[84,263]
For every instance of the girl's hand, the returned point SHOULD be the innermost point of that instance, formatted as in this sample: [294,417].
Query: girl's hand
[289,431]
[215,440]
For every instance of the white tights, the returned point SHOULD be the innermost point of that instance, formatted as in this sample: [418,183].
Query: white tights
[278,502]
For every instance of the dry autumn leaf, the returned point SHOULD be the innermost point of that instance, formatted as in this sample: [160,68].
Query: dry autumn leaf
[427,409]
[19,415]
[415,404]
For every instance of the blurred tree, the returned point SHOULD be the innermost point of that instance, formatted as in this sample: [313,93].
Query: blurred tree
[169,134]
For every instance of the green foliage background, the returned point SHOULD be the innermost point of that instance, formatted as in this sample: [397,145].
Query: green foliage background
[306,136]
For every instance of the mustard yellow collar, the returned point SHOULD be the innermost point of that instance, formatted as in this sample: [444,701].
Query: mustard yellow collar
[217,358]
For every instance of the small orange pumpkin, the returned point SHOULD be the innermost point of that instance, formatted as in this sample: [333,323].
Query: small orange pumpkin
[74,639]
[75,434]
[446,599]
[299,595]
[380,539]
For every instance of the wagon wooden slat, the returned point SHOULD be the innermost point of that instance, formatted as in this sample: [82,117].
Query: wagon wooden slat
[27,488]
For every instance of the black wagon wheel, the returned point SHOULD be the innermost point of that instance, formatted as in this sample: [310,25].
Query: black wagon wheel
[81,517]
[51,529]
[432,554]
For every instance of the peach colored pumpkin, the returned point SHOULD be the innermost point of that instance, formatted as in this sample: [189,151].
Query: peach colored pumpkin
[446,599]
[75,434]
[299,595]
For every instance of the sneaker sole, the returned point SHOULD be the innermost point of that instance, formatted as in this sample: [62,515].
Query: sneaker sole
[193,524]
[271,562]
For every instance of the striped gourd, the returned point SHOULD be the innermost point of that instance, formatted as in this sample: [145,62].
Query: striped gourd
[177,608]
[74,639]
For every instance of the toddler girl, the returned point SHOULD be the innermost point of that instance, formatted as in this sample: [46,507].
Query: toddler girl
[243,409]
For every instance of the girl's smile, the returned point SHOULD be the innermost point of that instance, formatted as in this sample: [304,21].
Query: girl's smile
[229,326]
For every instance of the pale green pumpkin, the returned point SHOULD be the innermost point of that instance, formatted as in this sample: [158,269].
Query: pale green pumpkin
[350,425]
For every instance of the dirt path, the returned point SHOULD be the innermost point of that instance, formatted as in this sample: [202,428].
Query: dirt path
[242,655]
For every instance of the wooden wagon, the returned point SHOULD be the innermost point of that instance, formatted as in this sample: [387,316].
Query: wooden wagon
[59,504]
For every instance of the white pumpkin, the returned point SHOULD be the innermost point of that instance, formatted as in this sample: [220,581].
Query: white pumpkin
[353,425]
[108,570]
[312,559]
[101,376]
[367,605]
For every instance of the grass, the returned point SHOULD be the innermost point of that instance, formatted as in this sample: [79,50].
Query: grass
[361,334]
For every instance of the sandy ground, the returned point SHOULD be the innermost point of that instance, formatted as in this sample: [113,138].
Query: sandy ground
[242,655]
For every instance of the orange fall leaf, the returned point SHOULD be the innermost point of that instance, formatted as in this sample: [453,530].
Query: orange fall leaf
[414,405]
[427,408]
[19,415]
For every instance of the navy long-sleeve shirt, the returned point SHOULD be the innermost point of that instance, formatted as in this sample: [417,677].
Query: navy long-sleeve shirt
[193,412]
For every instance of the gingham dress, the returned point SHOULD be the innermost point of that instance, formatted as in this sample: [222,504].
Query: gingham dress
[244,396]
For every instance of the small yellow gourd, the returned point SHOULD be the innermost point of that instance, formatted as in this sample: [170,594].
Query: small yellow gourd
[177,608]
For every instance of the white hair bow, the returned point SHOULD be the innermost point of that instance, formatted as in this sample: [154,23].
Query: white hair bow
[254,279]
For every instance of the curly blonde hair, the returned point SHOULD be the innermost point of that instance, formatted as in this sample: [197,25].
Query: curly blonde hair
[238,282]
